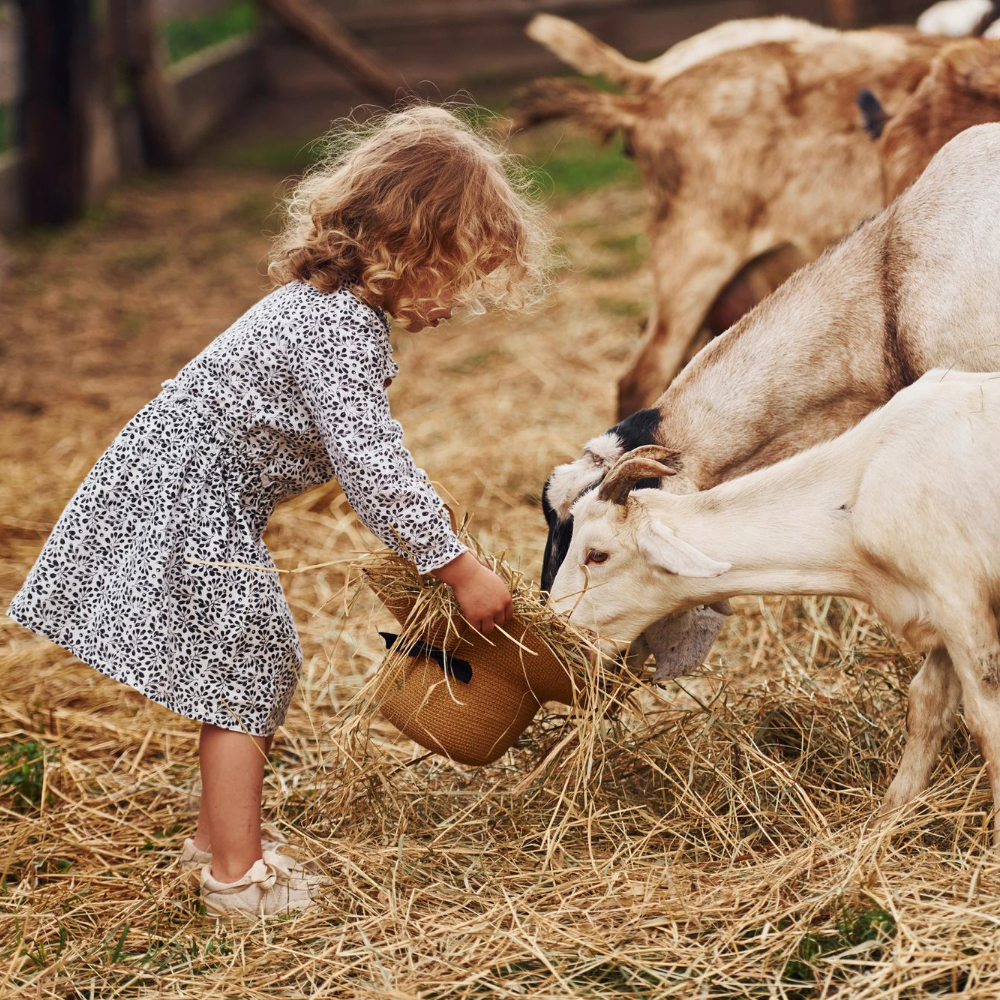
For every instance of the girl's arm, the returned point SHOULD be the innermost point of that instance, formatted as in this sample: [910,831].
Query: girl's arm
[339,362]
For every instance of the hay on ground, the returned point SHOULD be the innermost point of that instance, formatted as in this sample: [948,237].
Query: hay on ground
[711,839]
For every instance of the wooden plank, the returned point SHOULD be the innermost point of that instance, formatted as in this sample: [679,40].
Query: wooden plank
[337,45]
[442,14]
[103,152]
[843,13]
[488,56]
[10,54]
[12,205]
[210,85]
[366,16]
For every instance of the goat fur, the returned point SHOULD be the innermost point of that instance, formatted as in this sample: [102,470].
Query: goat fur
[900,512]
[747,138]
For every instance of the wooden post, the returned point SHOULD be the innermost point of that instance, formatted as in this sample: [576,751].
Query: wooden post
[57,37]
[844,13]
[103,154]
[138,42]
[337,45]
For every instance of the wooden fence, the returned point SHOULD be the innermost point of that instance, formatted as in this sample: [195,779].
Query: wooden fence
[204,88]
[440,45]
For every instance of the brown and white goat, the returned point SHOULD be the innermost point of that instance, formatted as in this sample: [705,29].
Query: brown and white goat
[913,289]
[900,512]
[747,139]
[961,89]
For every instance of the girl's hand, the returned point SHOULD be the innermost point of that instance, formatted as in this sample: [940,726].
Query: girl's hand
[481,594]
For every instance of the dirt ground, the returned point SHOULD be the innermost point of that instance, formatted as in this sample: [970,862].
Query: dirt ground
[720,844]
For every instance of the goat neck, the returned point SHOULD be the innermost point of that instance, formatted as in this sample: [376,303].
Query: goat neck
[785,529]
[729,413]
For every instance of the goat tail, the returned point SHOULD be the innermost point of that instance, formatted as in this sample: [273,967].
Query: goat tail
[575,100]
[583,51]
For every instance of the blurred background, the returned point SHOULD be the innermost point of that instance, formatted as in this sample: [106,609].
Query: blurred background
[93,91]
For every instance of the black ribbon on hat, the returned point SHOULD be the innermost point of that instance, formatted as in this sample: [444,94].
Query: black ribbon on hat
[460,670]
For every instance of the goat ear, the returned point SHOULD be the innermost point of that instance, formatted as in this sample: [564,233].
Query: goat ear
[578,48]
[664,549]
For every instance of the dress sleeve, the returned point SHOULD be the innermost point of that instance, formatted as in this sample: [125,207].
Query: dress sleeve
[340,365]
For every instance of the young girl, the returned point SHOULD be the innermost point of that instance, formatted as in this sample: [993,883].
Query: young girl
[145,574]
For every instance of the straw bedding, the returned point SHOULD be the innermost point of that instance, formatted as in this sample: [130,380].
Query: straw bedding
[708,839]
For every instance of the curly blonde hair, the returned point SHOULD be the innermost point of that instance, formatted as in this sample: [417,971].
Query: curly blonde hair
[416,210]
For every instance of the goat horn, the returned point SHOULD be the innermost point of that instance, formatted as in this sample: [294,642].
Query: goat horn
[654,451]
[621,480]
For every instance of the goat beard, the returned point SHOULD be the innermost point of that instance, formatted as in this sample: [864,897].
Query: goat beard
[678,643]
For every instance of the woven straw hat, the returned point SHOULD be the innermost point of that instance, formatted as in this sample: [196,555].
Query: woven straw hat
[473,711]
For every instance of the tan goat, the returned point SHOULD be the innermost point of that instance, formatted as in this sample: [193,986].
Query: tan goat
[747,139]
[961,89]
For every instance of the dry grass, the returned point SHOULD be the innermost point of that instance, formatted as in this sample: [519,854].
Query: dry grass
[710,840]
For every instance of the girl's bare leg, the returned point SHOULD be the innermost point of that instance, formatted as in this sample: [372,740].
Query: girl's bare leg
[232,783]
[202,838]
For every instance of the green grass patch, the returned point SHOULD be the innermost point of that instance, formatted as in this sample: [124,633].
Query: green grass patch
[271,154]
[101,217]
[627,254]
[22,775]
[252,210]
[594,978]
[853,928]
[184,36]
[573,166]
[138,260]
[130,324]
[6,127]
[628,244]
[628,308]
[474,362]
[482,115]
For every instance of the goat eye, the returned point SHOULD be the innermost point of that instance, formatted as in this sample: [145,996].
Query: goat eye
[596,557]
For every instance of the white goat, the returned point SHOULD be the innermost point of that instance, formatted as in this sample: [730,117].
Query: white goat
[902,511]
[960,18]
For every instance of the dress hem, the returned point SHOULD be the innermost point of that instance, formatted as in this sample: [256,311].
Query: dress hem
[230,724]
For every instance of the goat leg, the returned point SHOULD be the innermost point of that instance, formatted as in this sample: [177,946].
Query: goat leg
[935,693]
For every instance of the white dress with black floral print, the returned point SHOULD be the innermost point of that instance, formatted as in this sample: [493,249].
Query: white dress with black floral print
[290,396]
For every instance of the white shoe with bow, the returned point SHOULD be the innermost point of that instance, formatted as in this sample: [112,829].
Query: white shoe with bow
[275,884]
